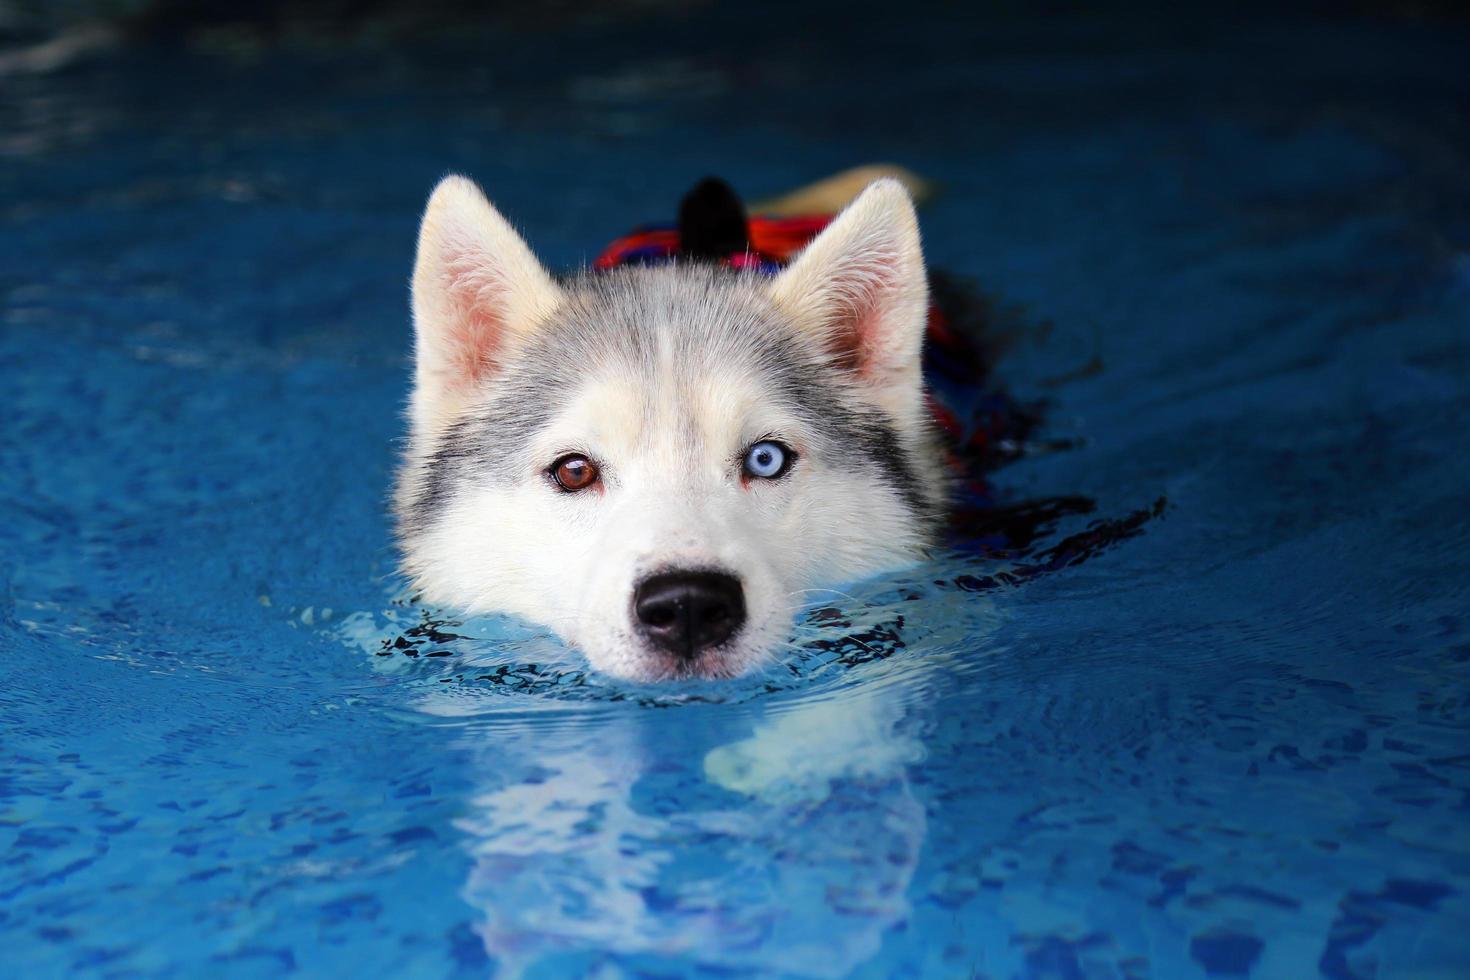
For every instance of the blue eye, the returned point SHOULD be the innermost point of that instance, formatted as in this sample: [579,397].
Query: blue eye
[767,460]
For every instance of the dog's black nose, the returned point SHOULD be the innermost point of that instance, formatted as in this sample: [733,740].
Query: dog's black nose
[686,613]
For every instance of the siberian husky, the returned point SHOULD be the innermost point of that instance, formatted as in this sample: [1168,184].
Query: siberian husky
[661,462]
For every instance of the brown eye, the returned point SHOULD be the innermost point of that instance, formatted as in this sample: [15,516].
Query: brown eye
[574,472]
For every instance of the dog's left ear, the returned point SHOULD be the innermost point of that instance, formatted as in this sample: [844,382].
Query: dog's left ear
[477,292]
[860,285]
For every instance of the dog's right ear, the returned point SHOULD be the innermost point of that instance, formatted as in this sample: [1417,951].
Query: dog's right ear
[477,289]
[860,286]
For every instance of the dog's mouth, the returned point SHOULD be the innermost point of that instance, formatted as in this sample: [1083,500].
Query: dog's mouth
[711,666]
[627,655]
[645,664]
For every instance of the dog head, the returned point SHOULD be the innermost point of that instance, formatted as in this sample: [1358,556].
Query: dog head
[659,463]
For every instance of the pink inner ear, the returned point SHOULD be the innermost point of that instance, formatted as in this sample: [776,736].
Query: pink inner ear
[477,313]
[848,343]
[857,335]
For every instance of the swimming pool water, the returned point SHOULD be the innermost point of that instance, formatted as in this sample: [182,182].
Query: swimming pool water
[1232,254]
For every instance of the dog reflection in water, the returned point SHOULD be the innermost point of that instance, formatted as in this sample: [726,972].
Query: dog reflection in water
[769,837]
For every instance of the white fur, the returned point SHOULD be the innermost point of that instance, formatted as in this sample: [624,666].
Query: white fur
[668,418]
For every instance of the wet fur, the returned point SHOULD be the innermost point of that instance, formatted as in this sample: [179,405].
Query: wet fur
[664,375]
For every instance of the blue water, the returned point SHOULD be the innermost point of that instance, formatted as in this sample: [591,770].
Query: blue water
[1232,254]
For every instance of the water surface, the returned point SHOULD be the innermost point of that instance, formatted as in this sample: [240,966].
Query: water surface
[1233,257]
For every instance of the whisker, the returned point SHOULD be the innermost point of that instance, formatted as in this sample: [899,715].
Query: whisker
[836,592]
